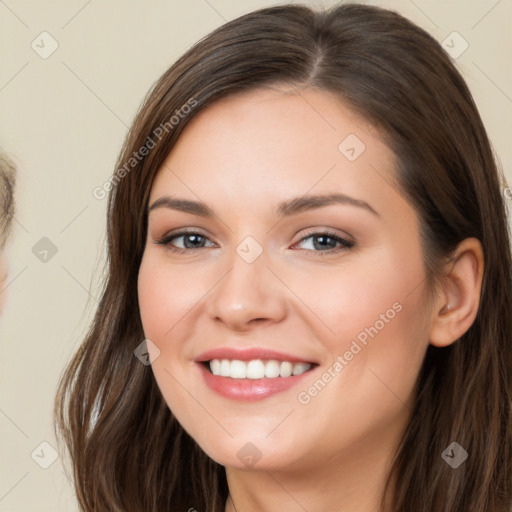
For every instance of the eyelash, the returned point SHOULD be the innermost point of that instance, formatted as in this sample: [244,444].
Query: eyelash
[346,244]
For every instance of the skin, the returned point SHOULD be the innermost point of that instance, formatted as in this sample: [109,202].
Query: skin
[242,156]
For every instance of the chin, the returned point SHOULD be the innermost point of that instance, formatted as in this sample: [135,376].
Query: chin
[249,455]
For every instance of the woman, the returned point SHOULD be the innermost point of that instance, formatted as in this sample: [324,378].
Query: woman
[230,365]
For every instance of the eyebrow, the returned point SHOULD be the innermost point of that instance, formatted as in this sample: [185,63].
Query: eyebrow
[285,209]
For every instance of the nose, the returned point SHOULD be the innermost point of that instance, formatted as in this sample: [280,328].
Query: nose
[248,295]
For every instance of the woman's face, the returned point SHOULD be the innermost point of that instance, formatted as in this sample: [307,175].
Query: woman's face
[260,289]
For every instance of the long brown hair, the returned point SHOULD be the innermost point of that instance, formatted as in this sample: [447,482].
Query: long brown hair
[128,452]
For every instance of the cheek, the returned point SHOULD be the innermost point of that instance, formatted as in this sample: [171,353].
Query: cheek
[165,296]
[373,317]
[376,312]
[362,292]
[166,302]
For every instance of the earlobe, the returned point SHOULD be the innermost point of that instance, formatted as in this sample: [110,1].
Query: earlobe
[458,294]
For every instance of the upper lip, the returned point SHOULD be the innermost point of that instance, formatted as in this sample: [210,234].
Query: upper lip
[248,354]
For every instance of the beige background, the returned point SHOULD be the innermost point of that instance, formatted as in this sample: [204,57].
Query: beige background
[63,119]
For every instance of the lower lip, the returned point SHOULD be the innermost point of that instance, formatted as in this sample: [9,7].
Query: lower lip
[249,389]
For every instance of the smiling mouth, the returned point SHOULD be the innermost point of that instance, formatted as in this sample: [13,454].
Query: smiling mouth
[256,368]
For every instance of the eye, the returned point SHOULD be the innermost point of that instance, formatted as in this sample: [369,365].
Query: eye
[189,240]
[325,241]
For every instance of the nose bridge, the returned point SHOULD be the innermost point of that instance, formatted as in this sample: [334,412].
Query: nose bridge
[246,292]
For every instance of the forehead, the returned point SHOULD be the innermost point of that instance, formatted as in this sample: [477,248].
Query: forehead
[299,122]
[265,142]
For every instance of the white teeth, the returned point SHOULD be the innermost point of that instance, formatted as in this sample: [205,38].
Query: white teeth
[256,368]
[224,368]
[272,369]
[299,368]
[237,370]
[286,369]
[215,366]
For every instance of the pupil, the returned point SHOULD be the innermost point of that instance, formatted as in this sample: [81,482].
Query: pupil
[323,240]
[194,238]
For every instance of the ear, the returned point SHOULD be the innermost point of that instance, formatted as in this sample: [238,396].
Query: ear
[458,294]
